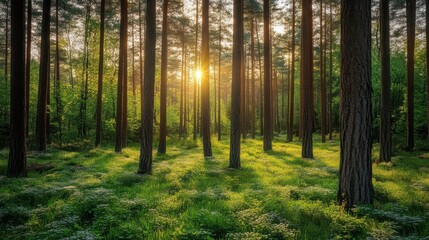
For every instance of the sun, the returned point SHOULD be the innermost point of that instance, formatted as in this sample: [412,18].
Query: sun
[198,75]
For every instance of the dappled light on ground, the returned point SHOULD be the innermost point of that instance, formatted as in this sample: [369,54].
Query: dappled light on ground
[275,195]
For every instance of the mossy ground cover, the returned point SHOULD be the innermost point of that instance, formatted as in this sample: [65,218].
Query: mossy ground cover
[96,194]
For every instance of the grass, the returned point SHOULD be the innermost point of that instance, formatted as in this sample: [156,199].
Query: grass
[97,194]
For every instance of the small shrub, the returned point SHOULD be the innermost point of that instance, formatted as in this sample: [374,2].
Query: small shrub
[129,180]
[246,236]
[396,215]
[14,215]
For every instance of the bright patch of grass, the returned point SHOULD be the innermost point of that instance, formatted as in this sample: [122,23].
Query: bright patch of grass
[96,194]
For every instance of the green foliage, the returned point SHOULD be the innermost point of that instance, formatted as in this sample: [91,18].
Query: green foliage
[96,194]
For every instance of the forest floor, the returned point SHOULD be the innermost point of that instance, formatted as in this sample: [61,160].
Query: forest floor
[276,195]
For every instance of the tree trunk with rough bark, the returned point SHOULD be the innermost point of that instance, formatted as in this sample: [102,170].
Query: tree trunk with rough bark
[100,76]
[411,38]
[205,81]
[267,78]
[17,163]
[322,79]
[162,147]
[122,77]
[385,122]
[237,48]
[355,175]
[41,122]
[145,165]
[307,79]
[28,66]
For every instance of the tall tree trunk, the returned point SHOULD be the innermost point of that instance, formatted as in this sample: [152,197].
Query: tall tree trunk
[267,78]
[85,75]
[122,79]
[283,95]
[41,123]
[205,81]
[145,165]
[6,52]
[163,97]
[196,71]
[322,79]
[28,66]
[215,98]
[331,26]
[427,63]
[411,38]
[17,152]
[243,92]
[141,55]
[125,86]
[181,115]
[185,86]
[100,76]
[261,94]
[307,79]
[237,54]
[219,122]
[385,125]
[355,183]
[6,57]
[133,53]
[252,54]
[57,82]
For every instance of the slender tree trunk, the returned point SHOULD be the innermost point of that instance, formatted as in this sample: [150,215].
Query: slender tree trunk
[385,125]
[28,66]
[307,79]
[185,82]
[6,52]
[133,77]
[57,82]
[205,81]
[278,125]
[322,79]
[6,57]
[237,49]
[267,78]
[252,54]
[282,106]
[163,97]
[331,114]
[243,92]
[41,123]
[125,85]
[145,165]
[141,55]
[427,62]
[355,183]
[181,115]
[195,71]
[85,74]
[219,122]
[100,76]
[411,36]
[122,80]
[261,90]
[17,152]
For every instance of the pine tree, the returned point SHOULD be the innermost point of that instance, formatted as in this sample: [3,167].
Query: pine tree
[145,165]
[17,152]
[355,183]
